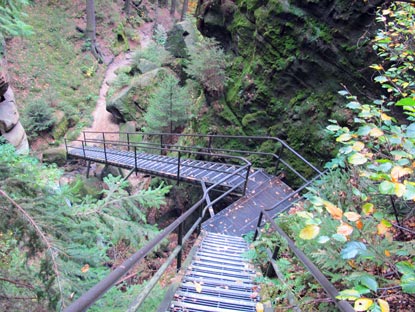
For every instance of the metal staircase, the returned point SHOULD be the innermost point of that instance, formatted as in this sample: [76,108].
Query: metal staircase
[219,279]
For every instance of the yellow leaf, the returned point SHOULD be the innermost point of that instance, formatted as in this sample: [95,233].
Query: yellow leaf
[384,305]
[385,117]
[387,253]
[398,172]
[352,216]
[198,287]
[259,307]
[344,137]
[344,229]
[335,211]
[309,232]
[376,67]
[375,132]
[358,146]
[368,208]
[400,189]
[362,304]
[85,268]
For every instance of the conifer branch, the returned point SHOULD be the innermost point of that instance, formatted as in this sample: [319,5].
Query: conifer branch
[41,235]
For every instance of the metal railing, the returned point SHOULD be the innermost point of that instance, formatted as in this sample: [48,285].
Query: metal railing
[207,146]
[91,296]
[110,148]
[211,144]
[266,217]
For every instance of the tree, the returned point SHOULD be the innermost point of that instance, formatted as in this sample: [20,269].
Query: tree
[168,106]
[127,5]
[172,7]
[184,9]
[10,18]
[207,64]
[55,244]
[91,30]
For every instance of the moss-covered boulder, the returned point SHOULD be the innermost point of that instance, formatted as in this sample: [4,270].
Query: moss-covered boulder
[180,38]
[130,102]
[55,156]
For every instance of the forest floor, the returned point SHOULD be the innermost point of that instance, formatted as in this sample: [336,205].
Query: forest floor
[102,119]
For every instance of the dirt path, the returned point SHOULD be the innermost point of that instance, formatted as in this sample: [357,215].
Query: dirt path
[103,120]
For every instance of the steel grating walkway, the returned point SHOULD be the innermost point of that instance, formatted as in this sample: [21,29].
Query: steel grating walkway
[219,279]
[190,170]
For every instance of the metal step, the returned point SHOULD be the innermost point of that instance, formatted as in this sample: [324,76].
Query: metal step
[218,279]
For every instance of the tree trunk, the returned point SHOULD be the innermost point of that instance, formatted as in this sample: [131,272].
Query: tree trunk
[184,9]
[127,7]
[173,7]
[91,30]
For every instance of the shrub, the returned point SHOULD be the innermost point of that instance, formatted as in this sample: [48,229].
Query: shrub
[37,117]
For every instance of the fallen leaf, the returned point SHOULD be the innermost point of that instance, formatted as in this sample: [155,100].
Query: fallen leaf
[254,295]
[85,268]
[198,287]
[259,307]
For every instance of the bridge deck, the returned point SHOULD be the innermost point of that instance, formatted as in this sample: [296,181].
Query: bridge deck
[190,170]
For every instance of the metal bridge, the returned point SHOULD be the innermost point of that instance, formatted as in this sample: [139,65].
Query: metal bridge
[218,279]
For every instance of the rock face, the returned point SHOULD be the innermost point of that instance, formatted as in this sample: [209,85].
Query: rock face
[180,38]
[10,127]
[291,57]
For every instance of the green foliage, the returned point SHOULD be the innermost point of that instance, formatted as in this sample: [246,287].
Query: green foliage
[153,53]
[37,117]
[395,45]
[59,244]
[207,64]
[168,106]
[11,22]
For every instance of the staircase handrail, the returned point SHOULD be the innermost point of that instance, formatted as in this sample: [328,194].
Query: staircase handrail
[93,294]
[328,287]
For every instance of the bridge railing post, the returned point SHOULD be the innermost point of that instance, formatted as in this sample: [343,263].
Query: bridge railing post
[105,147]
[261,214]
[135,159]
[161,144]
[83,148]
[246,180]
[277,164]
[128,141]
[179,155]
[180,243]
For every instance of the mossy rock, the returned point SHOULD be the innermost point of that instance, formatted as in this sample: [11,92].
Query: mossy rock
[55,156]
[130,102]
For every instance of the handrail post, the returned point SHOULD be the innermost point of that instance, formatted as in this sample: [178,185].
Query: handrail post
[135,159]
[261,214]
[83,149]
[180,243]
[161,144]
[209,144]
[84,136]
[270,270]
[278,158]
[246,180]
[128,141]
[66,146]
[105,147]
[178,166]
